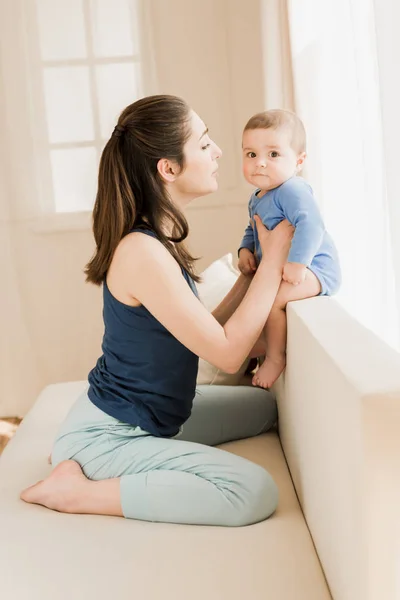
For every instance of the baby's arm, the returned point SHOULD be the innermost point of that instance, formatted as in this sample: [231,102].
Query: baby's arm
[247,262]
[248,239]
[300,209]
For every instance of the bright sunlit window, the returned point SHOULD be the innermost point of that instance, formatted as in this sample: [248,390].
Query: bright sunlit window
[338,95]
[87,56]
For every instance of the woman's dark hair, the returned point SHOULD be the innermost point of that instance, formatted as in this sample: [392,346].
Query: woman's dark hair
[131,192]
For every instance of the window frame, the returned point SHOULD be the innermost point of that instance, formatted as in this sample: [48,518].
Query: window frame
[50,219]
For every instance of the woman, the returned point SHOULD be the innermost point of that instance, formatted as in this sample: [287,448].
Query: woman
[132,445]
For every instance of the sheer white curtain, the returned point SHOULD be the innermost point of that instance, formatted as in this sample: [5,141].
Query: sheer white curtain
[387,28]
[19,369]
[334,60]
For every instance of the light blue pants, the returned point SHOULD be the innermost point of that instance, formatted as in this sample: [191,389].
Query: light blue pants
[182,479]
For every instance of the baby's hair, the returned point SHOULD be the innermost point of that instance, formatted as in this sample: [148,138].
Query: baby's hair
[280,118]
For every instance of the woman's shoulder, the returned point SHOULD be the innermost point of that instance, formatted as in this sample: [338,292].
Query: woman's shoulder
[145,229]
[138,241]
[140,259]
[140,250]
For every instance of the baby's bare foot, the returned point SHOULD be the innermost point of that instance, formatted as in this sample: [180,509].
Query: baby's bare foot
[60,490]
[268,373]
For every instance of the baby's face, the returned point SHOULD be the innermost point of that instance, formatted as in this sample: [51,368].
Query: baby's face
[268,158]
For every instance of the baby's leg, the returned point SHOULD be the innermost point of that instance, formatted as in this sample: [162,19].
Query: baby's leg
[275,328]
[259,348]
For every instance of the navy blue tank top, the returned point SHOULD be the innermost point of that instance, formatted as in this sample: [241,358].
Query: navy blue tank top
[145,376]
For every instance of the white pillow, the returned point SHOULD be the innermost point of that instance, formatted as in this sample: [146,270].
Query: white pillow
[216,282]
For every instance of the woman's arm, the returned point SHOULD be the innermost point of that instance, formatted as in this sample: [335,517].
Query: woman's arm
[229,304]
[156,281]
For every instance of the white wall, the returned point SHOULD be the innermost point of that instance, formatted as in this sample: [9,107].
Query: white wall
[210,53]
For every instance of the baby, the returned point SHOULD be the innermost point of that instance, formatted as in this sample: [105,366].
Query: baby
[274,150]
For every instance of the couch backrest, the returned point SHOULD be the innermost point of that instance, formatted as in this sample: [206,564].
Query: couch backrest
[339,420]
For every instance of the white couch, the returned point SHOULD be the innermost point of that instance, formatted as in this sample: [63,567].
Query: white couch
[336,462]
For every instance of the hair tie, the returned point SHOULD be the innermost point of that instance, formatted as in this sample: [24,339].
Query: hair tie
[119,130]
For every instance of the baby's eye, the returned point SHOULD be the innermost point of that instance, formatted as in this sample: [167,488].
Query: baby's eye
[274,154]
[251,154]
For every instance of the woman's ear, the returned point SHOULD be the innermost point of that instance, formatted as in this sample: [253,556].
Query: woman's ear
[300,161]
[168,170]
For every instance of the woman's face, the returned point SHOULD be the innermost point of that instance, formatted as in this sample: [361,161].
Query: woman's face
[199,177]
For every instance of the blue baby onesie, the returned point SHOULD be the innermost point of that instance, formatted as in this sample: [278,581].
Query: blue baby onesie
[311,245]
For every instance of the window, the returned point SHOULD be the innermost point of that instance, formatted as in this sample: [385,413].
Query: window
[87,57]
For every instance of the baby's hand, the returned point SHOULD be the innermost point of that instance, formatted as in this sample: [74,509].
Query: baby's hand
[247,262]
[294,273]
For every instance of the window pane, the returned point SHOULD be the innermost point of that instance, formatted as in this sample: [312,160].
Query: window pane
[114,27]
[61,29]
[68,104]
[74,178]
[117,86]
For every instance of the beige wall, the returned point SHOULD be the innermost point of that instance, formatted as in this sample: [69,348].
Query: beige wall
[210,53]
[217,67]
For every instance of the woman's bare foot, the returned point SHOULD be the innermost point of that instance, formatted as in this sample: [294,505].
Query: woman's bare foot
[268,373]
[61,490]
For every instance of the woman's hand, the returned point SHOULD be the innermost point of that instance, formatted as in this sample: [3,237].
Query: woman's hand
[275,244]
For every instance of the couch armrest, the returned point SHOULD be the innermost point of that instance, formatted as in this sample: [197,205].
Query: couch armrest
[339,421]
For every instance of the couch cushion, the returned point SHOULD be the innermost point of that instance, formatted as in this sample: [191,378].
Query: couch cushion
[216,282]
[45,555]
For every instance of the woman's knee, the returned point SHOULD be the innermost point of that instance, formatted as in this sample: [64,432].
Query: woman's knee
[260,498]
